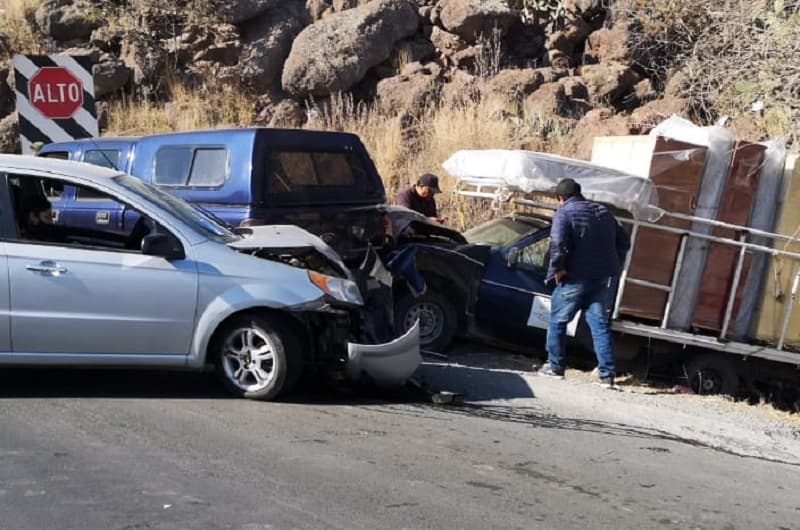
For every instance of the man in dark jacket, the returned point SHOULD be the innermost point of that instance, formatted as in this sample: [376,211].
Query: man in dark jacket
[420,197]
[587,249]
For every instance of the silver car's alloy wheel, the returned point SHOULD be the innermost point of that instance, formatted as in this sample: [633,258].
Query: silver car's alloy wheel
[248,359]
[431,321]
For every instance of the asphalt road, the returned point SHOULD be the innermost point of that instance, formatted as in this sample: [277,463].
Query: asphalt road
[117,450]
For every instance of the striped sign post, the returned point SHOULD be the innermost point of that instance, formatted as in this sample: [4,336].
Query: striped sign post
[55,99]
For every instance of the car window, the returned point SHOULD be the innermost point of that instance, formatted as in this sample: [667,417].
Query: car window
[209,167]
[191,166]
[501,232]
[309,172]
[58,155]
[103,157]
[53,189]
[99,157]
[36,223]
[536,254]
[89,194]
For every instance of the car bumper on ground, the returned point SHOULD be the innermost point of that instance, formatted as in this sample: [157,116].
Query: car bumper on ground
[387,365]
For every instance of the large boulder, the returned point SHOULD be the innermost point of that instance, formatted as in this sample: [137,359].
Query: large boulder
[445,42]
[609,44]
[286,113]
[110,75]
[598,122]
[516,84]
[608,83]
[651,114]
[267,43]
[409,93]
[9,134]
[335,53]
[220,43]
[65,20]
[461,89]
[146,61]
[107,38]
[417,49]
[471,19]
[238,11]
[563,43]
[552,100]
[548,100]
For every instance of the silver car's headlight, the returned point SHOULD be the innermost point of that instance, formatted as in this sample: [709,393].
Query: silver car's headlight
[340,289]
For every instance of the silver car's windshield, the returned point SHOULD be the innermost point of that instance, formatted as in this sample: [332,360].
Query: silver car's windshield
[177,207]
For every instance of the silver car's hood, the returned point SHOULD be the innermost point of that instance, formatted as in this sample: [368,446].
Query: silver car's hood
[283,237]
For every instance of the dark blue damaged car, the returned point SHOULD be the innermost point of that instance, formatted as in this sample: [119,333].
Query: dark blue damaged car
[487,284]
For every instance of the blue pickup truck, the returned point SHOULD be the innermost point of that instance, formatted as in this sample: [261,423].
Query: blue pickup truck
[324,182]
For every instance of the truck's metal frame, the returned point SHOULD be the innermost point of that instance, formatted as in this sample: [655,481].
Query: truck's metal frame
[498,192]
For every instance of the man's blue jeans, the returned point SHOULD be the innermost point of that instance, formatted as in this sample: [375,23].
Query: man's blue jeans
[568,298]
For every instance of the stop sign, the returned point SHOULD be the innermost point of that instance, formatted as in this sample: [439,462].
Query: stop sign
[55,92]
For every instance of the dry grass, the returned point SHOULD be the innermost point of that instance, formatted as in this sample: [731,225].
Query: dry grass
[13,23]
[404,148]
[186,110]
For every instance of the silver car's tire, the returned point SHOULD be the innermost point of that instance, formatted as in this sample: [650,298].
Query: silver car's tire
[256,357]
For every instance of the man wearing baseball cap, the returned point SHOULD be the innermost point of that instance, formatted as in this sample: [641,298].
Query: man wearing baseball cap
[587,248]
[420,197]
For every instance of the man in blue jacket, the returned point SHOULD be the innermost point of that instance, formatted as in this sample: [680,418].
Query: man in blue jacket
[587,249]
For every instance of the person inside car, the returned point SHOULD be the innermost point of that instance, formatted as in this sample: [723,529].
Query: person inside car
[420,197]
[36,219]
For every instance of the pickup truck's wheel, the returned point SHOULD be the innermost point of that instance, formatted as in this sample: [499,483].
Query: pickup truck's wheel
[437,319]
[712,374]
[256,357]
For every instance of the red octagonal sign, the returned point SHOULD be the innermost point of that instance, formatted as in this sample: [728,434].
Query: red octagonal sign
[55,92]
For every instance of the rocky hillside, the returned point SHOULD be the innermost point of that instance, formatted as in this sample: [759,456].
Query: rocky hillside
[558,72]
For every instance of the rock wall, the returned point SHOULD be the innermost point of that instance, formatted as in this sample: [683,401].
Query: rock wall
[406,54]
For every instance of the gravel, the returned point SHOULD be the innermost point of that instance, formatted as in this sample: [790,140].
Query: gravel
[506,384]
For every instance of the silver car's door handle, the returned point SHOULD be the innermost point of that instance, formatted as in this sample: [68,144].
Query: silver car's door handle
[47,268]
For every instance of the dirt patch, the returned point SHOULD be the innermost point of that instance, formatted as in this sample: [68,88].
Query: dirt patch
[492,378]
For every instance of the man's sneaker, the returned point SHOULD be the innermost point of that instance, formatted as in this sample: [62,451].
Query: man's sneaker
[605,382]
[546,371]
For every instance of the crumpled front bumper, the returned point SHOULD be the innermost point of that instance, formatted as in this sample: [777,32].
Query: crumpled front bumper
[387,365]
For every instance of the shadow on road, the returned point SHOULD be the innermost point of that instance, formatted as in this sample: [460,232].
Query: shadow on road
[23,383]
[480,384]
[103,383]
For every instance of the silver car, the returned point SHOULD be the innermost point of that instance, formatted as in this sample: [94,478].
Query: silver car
[163,285]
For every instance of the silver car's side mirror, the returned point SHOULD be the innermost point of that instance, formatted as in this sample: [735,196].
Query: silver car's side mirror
[512,257]
[162,245]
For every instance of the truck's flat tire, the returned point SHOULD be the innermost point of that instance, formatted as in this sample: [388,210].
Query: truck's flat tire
[710,373]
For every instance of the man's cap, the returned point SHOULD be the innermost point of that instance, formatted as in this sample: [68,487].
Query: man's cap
[567,188]
[431,180]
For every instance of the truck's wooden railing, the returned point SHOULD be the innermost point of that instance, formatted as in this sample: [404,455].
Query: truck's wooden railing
[497,191]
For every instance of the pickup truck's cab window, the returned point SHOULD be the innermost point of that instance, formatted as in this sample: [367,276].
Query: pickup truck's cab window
[103,157]
[296,171]
[191,166]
